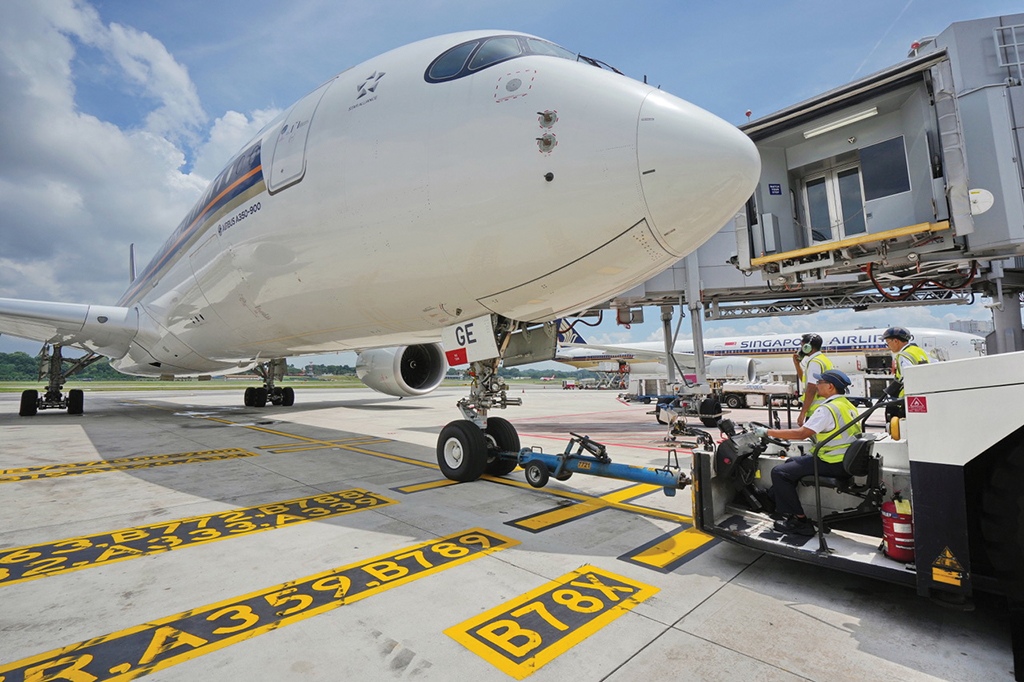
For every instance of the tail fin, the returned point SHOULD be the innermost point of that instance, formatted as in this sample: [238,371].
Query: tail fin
[567,333]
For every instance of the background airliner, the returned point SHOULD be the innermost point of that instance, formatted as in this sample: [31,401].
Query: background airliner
[852,351]
[486,175]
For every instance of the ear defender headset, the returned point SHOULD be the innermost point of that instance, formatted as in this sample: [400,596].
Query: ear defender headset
[809,343]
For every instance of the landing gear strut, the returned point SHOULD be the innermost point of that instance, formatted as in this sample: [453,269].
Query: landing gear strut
[51,368]
[471,447]
[276,395]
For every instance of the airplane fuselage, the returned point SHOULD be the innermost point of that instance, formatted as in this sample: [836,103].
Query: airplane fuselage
[389,204]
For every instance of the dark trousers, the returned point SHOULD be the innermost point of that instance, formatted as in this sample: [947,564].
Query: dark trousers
[785,477]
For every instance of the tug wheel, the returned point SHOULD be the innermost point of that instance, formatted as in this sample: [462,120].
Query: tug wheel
[537,474]
[462,451]
[501,437]
[1002,520]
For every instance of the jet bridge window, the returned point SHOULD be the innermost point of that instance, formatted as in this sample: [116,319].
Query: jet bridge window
[884,166]
[475,55]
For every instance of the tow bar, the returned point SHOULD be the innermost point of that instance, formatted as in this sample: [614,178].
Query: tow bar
[539,466]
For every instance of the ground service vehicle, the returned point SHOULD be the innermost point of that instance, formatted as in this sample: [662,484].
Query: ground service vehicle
[958,458]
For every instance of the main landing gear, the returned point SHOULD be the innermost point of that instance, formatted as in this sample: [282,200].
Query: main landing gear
[470,447]
[51,368]
[269,393]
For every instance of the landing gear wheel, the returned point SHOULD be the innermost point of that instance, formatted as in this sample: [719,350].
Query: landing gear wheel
[259,397]
[537,474]
[76,401]
[29,403]
[250,396]
[733,401]
[1002,521]
[287,396]
[462,451]
[709,406]
[501,437]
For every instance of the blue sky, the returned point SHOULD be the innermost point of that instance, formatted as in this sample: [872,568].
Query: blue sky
[115,114]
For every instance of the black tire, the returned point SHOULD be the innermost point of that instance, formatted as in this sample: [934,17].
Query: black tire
[249,398]
[1002,521]
[29,403]
[709,406]
[501,437]
[734,401]
[76,401]
[537,474]
[645,400]
[462,451]
[564,476]
[657,416]
[259,398]
[287,396]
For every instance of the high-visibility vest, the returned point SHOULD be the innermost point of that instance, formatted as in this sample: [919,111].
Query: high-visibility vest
[843,412]
[823,364]
[915,353]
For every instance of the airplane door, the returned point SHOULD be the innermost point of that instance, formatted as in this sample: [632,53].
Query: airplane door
[289,155]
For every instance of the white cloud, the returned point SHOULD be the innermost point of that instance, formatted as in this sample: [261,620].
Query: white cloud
[76,190]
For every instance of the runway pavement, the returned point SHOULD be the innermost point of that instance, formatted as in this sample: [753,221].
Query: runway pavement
[181,535]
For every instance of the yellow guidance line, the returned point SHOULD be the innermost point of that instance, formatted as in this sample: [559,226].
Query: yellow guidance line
[194,459]
[20,564]
[159,644]
[667,552]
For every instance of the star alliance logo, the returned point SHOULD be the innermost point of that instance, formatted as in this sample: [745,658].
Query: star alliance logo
[370,84]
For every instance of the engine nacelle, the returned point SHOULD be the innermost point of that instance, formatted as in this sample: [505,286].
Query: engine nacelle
[404,371]
[732,368]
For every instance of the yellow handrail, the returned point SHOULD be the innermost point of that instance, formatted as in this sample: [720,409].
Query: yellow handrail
[852,241]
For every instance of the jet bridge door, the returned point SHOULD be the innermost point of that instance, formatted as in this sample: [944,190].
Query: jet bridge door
[289,141]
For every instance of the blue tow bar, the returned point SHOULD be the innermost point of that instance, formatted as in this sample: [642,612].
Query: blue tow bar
[539,467]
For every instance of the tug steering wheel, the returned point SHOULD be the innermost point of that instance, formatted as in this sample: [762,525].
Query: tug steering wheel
[769,439]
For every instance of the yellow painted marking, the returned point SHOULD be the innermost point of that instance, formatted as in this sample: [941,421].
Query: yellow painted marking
[949,577]
[853,241]
[530,631]
[121,460]
[672,548]
[186,458]
[429,485]
[36,561]
[560,515]
[630,492]
[159,644]
[947,561]
[300,448]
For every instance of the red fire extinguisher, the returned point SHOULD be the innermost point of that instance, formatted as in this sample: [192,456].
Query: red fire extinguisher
[898,529]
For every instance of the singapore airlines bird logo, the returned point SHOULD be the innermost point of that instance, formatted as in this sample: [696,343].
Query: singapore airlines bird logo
[370,84]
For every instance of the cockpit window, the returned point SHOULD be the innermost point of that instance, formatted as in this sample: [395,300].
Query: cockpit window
[544,47]
[495,50]
[451,62]
[475,55]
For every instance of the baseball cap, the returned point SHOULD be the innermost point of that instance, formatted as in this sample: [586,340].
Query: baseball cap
[836,378]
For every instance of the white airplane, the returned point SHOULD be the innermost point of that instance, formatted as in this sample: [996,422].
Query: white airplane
[460,187]
[744,357]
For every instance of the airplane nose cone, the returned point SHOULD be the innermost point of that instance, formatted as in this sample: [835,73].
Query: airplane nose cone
[696,170]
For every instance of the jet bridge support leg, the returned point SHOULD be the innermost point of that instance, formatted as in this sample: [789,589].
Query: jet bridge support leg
[51,368]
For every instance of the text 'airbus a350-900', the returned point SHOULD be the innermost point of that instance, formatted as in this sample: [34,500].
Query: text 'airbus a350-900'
[439,204]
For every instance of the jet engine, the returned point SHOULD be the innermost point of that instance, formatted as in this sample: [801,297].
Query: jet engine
[404,371]
[732,368]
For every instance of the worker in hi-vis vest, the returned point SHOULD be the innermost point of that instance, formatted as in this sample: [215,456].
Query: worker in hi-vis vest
[809,360]
[905,353]
[834,412]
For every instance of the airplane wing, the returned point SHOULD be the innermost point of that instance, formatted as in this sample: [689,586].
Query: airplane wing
[684,360]
[107,330]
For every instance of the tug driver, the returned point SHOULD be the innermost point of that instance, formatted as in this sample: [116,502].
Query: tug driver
[833,413]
